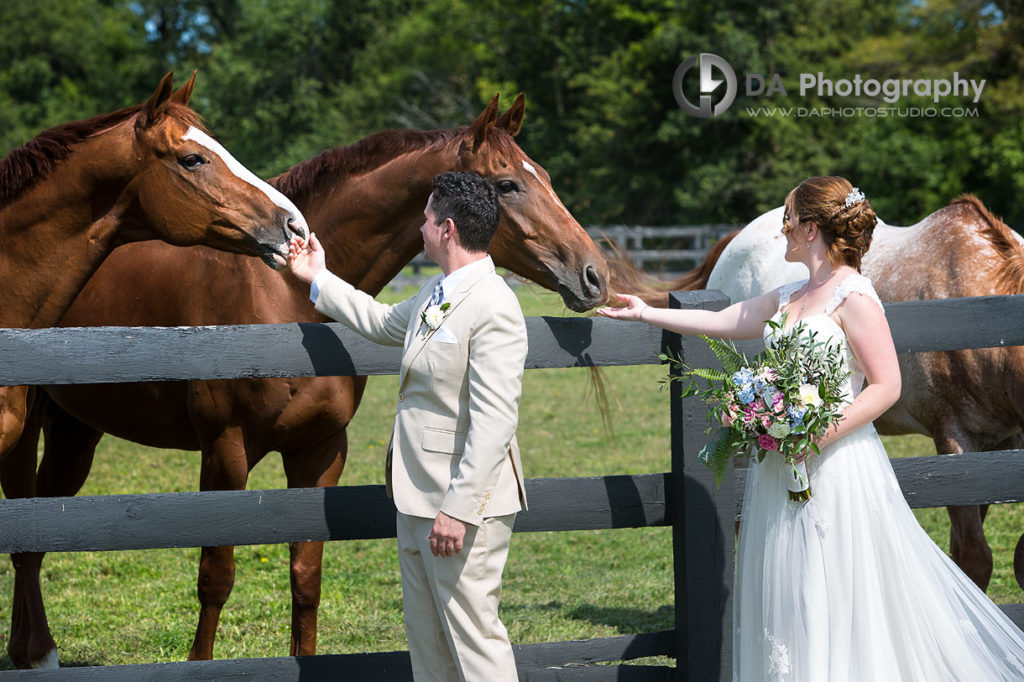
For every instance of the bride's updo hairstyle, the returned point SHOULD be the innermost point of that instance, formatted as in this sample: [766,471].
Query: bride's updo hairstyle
[842,213]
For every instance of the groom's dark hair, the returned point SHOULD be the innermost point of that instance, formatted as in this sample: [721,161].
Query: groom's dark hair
[471,201]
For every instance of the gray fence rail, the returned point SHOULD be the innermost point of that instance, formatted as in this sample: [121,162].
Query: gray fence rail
[686,498]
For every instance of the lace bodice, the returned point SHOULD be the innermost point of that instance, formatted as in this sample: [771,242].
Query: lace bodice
[825,326]
[853,283]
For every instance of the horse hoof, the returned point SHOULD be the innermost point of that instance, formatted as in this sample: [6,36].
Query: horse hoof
[47,662]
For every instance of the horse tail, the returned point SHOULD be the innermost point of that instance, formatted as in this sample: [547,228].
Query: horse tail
[1010,276]
[627,278]
[698,277]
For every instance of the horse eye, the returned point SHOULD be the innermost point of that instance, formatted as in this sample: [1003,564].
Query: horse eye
[191,161]
[507,186]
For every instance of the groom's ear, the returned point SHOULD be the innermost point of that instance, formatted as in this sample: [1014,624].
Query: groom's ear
[449,229]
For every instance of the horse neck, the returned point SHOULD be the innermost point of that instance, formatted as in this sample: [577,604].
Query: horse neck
[50,243]
[369,225]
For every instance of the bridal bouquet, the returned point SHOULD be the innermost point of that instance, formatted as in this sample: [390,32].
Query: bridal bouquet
[788,396]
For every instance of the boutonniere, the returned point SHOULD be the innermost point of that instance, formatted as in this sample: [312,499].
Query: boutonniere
[434,315]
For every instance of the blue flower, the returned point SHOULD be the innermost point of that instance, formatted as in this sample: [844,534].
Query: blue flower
[743,377]
[796,414]
[746,395]
[796,418]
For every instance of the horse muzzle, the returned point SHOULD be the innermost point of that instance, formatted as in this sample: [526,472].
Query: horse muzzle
[585,290]
[276,255]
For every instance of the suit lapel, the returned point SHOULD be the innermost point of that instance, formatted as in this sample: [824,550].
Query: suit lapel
[419,333]
[415,336]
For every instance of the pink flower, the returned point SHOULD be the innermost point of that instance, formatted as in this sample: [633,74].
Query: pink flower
[729,416]
[766,442]
[779,403]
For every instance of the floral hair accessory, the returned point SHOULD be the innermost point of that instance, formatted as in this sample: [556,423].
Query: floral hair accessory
[854,197]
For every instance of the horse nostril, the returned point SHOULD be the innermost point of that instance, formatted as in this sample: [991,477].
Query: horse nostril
[298,228]
[592,280]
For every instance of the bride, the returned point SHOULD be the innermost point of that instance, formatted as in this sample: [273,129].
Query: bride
[845,586]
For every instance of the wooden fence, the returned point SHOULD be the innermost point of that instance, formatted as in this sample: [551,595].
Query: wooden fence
[665,248]
[685,498]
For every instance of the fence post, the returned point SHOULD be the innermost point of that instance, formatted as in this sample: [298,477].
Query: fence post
[703,524]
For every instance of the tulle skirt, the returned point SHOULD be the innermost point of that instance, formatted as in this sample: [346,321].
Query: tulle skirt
[848,586]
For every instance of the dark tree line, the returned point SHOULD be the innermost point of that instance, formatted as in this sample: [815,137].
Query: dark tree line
[280,80]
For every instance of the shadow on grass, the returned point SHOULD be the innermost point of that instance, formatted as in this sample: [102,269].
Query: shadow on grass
[627,621]
[7,664]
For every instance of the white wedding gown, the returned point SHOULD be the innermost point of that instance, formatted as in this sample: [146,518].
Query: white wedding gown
[848,586]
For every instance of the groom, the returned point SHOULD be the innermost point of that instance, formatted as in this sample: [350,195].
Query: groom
[453,466]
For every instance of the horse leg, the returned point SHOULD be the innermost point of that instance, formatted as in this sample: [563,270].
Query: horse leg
[306,469]
[967,544]
[13,411]
[30,645]
[30,640]
[224,468]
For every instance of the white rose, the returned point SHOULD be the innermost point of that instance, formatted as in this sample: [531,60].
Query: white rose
[808,394]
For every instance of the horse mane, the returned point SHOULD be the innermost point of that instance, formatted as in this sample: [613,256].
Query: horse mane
[1009,278]
[627,278]
[32,162]
[373,152]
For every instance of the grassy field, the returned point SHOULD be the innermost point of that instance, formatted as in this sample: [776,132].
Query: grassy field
[135,607]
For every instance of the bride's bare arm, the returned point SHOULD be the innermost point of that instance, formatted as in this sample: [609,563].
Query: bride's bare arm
[743,320]
[871,342]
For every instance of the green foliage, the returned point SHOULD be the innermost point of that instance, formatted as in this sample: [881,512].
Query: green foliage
[280,81]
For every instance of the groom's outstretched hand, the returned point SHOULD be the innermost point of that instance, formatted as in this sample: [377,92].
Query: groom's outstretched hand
[306,259]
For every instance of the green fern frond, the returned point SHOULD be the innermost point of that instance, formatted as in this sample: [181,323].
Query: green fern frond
[717,454]
[708,374]
[727,353]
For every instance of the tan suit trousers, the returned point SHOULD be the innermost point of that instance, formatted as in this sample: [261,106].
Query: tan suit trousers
[451,603]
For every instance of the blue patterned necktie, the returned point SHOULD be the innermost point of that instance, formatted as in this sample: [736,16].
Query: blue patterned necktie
[437,296]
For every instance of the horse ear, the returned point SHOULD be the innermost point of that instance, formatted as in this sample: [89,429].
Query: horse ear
[512,120]
[183,94]
[155,106]
[482,125]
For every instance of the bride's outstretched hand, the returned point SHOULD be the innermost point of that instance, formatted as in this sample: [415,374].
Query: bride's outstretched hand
[633,309]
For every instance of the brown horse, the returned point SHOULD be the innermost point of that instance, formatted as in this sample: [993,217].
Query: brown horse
[366,204]
[75,192]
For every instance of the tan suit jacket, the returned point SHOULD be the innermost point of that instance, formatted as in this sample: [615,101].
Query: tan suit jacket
[453,445]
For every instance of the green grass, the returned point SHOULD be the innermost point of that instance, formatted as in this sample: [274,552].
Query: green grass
[135,607]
